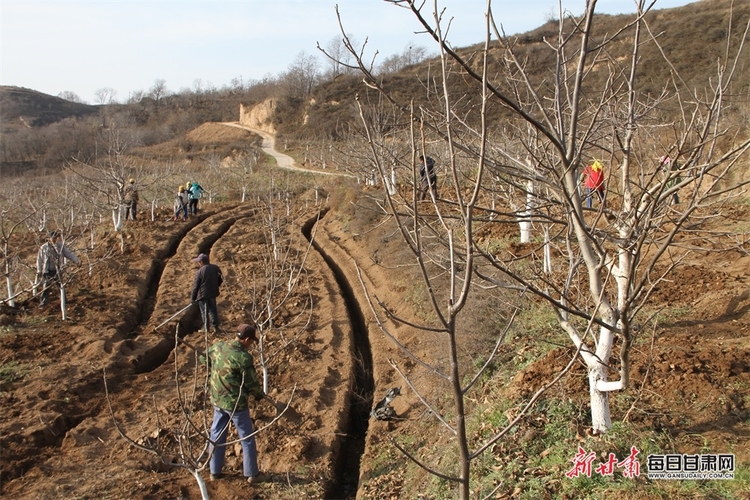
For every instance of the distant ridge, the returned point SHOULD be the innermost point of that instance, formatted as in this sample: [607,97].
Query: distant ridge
[21,107]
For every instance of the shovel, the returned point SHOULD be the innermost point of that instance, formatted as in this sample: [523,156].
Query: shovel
[174,315]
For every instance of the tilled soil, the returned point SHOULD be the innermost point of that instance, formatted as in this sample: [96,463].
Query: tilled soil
[59,438]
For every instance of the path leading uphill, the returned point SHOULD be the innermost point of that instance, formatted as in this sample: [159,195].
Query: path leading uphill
[283,161]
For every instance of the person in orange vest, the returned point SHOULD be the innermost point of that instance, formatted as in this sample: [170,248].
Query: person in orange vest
[593,181]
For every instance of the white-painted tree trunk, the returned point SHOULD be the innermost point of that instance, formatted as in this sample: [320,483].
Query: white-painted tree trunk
[117,219]
[547,262]
[63,303]
[392,182]
[525,219]
[118,215]
[9,283]
[601,420]
[525,226]
[262,360]
[201,484]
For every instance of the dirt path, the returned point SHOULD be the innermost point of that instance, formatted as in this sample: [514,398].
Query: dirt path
[283,161]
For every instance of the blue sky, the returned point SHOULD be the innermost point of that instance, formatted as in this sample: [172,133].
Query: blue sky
[83,46]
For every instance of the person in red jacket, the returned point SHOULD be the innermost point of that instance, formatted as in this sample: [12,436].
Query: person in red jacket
[593,181]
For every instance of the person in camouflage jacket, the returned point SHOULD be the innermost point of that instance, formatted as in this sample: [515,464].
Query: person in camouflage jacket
[232,381]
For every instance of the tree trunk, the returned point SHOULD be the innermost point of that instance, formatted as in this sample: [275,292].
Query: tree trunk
[600,416]
[63,303]
[9,282]
[525,222]
[201,484]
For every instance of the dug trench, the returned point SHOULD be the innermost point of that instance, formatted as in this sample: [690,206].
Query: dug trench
[347,463]
[320,443]
[153,355]
[59,416]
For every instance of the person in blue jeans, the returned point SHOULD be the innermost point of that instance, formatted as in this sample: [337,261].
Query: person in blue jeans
[232,381]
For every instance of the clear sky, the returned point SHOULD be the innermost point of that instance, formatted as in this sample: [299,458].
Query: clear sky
[82,46]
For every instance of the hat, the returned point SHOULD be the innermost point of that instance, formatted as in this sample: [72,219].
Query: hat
[131,181]
[52,234]
[245,331]
[181,187]
[201,258]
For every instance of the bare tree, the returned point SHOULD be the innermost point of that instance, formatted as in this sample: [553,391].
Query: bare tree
[279,298]
[609,259]
[588,107]
[412,54]
[339,59]
[157,92]
[182,437]
[301,76]
[14,218]
[101,181]
[70,96]
[105,95]
[239,171]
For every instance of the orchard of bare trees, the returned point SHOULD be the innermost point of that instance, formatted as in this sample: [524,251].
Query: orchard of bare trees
[595,267]
[540,307]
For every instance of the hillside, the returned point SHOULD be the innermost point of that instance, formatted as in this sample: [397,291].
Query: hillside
[330,112]
[110,401]
[59,439]
[20,107]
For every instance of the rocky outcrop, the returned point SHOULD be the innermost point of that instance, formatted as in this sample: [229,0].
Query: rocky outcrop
[259,115]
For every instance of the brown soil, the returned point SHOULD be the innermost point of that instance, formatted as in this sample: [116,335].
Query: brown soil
[58,437]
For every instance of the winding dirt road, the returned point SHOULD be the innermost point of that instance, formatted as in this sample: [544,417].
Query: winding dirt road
[282,161]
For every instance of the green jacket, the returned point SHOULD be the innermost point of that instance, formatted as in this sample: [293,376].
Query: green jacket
[230,362]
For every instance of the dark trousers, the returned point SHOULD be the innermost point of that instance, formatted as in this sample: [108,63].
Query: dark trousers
[428,184]
[182,209]
[208,312]
[590,196]
[193,206]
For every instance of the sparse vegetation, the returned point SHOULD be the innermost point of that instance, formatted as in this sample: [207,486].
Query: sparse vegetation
[13,371]
[689,381]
